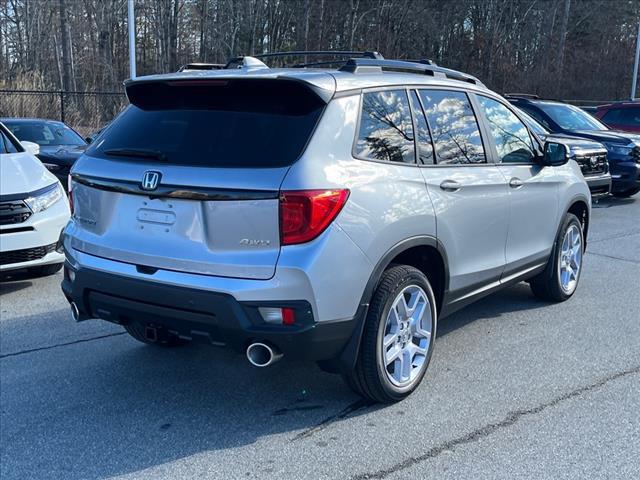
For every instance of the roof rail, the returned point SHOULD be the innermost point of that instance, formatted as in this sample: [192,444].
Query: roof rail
[522,95]
[366,65]
[236,62]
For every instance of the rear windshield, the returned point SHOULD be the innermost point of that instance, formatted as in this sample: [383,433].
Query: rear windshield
[220,123]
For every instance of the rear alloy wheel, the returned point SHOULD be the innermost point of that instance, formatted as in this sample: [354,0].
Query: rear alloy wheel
[398,336]
[559,280]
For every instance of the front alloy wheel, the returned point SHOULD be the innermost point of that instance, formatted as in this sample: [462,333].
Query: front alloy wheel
[570,259]
[559,280]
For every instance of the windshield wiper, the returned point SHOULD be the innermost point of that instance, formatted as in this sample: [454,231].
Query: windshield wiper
[136,152]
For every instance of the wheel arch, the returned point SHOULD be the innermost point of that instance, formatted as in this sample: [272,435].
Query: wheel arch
[579,207]
[426,254]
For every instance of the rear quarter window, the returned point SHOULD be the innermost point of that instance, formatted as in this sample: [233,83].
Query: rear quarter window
[386,129]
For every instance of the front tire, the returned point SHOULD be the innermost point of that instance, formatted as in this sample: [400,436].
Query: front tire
[559,280]
[398,336]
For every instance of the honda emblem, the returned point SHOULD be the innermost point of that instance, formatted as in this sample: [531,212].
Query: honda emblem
[150,180]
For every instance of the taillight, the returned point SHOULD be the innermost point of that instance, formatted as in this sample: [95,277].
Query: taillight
[305,214]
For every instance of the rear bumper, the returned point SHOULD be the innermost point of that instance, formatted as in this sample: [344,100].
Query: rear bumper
[197,314]
[599,185]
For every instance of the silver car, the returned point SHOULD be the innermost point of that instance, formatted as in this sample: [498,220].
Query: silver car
[331,215]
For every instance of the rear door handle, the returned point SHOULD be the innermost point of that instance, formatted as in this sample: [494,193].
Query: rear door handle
[515,182]
[450,186]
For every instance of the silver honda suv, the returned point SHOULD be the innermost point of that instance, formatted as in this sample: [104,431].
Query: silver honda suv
[331,215]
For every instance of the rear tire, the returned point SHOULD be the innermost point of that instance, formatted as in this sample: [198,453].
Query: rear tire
[398,336]
[164,339]
[46,270]
[556,283]
[626,193]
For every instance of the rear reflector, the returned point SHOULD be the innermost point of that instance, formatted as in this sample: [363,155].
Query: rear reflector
[288,316]
[305,214]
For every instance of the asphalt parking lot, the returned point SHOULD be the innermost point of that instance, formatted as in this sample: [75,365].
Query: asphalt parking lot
[517,389]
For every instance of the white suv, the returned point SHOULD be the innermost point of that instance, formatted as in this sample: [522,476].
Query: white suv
[33,209]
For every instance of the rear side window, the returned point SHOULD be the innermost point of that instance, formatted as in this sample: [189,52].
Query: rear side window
[221,123]
[386,130]
[510,136]
[454,127]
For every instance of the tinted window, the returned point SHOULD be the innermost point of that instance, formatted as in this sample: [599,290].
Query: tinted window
[246,124]
[386,131]
[623,116]
[425,147]
[6,145]
[569,117]
[537,116]
[511,137]
[453,126]
[44,133]
[532,123]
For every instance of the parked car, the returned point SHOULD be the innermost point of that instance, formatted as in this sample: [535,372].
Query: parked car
[623,116]
[33,209]
[300,213]
[623,148]
[590,155]
[60,145]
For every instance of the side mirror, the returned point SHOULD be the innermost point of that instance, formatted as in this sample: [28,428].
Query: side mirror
[555,154]
[88,139]
[32,148]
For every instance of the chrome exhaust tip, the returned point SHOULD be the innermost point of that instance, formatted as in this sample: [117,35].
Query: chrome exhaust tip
[262,355]
[75,313]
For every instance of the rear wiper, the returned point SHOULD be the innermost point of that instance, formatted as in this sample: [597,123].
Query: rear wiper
[136,152]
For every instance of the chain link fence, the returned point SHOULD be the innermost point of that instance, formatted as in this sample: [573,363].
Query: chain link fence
[85,112]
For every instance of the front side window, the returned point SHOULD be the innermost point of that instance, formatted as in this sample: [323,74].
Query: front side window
[386,130]
[454,127]
[511,137]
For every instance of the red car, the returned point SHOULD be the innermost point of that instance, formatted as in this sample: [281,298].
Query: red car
[623,116]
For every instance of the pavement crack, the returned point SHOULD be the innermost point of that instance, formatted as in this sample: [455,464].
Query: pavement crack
[360,404]
[49,347]
[637,262]
[615,237]
[479,433]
